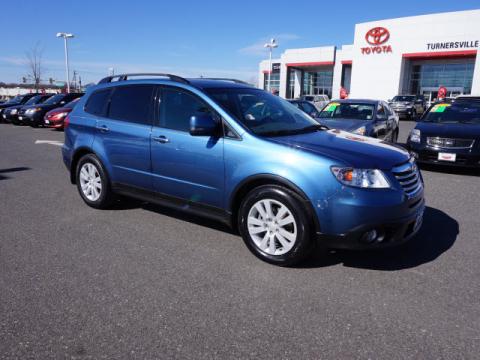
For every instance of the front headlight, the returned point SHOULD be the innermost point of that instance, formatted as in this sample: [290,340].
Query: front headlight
[360,131]
[30,111]
[362,178]
[415,136]
[13,112]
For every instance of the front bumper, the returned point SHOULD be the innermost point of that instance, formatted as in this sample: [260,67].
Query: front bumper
[403,112]
[429,155]
[32,119]
[56,124]
[390,233]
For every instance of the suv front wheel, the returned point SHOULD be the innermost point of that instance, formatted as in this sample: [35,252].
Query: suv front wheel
[275,226]
[92,182]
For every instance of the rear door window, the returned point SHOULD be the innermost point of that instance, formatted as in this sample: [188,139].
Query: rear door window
[132,103]
[97,102]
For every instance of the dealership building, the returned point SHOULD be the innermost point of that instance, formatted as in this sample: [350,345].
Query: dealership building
[410,55]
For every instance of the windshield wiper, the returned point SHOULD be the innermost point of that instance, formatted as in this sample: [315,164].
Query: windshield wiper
[311,128]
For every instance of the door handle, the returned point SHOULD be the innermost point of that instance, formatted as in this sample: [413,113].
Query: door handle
[161,139]
[103,128]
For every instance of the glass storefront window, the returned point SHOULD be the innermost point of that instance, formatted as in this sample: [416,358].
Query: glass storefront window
[274,82]
[451,75]
[317,82]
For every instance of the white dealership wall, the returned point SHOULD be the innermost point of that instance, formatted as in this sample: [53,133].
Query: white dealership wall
[380,75]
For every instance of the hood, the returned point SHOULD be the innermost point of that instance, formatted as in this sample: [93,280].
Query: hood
[5,105]
[59,110]
[464,131]
[405,103]
[344,124]
[12,107]
[346,148]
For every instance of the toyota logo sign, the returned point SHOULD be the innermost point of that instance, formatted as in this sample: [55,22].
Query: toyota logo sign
[377,36]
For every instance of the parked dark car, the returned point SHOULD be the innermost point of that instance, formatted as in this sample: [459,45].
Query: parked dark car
[55,118]
[33,115]
[372,118]
[408,106]
[229,151]
[11,113]
[306,106]
[448,134]
[17,100]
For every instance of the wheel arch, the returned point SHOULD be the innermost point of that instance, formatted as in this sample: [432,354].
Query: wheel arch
[79,153]
[252,182]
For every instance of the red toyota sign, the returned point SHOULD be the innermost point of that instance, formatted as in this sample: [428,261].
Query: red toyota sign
[377,37]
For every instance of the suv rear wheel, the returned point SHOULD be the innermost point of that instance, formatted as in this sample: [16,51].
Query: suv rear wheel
[275,226]
[92,182]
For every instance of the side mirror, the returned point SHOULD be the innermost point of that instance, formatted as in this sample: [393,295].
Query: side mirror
[203,125]
[314,114]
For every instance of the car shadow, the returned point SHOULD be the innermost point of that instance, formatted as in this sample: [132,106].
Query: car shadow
[438,233]
[125,203]
[10,170]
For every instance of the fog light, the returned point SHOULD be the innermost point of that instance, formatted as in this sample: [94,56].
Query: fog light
[369,236]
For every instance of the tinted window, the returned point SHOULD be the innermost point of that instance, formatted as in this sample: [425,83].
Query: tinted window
[404,98]
[381,112]
[178,107]
[132,103]
[97,102]
[308,108]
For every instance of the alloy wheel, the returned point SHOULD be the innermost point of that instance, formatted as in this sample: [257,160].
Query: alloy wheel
[90,181]
[272,227]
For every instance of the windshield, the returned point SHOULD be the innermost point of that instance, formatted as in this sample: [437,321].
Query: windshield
[404,98]
[458,112]
[54,99]
[72,104]
[348,111]
[15,100]
[34,100]
[263,113]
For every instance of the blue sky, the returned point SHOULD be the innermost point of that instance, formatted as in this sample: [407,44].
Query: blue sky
[190,38]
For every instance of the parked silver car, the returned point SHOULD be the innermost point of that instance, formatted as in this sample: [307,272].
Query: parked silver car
[318,100]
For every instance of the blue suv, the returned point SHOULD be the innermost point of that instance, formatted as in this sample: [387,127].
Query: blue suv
[226,150]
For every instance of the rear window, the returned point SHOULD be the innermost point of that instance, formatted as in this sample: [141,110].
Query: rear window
[97,102]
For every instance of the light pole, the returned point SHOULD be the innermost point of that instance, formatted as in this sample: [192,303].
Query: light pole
[66,36]
[271,45]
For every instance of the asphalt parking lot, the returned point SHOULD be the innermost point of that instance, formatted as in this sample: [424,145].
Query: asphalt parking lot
[141,281]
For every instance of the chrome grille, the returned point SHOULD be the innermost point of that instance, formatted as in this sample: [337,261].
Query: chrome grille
[409,177]
[450,143]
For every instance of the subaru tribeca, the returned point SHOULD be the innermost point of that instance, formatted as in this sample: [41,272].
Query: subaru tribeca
[223,149]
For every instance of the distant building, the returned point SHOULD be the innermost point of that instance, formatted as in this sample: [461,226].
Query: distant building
[409,55]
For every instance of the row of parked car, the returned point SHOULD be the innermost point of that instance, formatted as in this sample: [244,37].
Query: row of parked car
[37,109]
[447,132]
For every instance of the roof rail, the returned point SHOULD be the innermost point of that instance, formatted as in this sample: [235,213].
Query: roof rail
[123,77]
[227,79]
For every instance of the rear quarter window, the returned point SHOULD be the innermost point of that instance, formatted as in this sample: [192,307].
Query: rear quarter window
[97,102]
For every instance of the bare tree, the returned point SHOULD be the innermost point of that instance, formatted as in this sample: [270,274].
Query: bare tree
[34,64]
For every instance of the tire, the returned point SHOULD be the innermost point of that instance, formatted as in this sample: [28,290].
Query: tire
[292,241]
[414,114]
[93,183]
[395,136]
